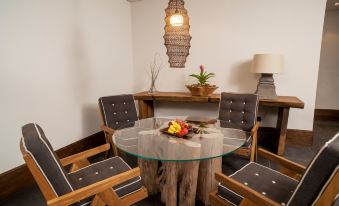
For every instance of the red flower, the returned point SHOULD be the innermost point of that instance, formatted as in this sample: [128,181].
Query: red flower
[202,68]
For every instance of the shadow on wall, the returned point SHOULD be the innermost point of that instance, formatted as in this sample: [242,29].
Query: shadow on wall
[242,77]
[91,119]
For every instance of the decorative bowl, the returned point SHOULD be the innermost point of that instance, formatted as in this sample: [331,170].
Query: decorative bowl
[198,90]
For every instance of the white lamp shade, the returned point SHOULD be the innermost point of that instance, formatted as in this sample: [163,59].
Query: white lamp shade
[268,63]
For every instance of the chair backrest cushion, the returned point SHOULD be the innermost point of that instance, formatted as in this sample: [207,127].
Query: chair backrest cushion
[239,109]
[118,110]
[318,174]
[36,144]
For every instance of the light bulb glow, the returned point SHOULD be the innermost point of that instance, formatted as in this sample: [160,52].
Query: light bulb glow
[177,20]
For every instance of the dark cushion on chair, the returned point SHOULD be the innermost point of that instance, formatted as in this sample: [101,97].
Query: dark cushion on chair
[118,110]
[318,173]
[239,109]
[103,170]
[270,183]
[37,145]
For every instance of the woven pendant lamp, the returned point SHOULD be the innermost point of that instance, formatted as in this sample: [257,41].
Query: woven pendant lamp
[177,37]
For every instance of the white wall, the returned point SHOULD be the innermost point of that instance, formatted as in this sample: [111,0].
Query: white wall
[56,59]
[328,84]
[225,35]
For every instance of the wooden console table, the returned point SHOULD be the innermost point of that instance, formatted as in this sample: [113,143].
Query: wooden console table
[284,103]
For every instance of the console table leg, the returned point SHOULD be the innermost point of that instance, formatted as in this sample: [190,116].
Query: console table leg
[282,126]
[146,109]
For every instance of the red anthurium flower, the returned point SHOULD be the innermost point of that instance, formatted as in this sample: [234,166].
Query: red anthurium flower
[202,68]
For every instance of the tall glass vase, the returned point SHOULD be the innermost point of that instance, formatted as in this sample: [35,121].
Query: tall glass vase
[152,88]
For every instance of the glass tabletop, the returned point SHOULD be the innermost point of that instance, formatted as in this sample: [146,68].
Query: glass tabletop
[147,139]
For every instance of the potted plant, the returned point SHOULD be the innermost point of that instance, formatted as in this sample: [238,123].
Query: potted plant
[203,88]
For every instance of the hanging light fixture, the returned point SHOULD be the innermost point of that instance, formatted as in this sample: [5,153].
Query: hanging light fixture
[177,37]
[176,19]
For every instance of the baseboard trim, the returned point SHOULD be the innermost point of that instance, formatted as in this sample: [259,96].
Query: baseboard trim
[326,114]
[269,137]
[20,177]
[299,137]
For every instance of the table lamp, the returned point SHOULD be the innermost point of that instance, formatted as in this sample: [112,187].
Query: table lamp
[267,65]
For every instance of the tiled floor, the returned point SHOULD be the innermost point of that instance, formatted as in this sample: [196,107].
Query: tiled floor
[323,130]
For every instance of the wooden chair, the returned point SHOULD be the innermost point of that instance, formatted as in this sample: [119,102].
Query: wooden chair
[241,110]
[109,182]
[255,184]
[116,111]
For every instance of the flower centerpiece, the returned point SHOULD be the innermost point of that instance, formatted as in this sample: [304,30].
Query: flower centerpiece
[202,88]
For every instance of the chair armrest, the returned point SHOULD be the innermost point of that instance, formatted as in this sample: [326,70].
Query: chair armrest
[255,128]
[93,189]
[84,155]
[107,130]
[298,168]
[245,191]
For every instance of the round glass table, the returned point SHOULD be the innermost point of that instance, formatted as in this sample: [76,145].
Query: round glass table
[168,162]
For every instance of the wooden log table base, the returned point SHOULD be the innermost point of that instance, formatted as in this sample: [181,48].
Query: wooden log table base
[181,183]
[148,171]
[179,177]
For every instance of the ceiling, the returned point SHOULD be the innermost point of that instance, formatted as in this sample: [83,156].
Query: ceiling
[330,5]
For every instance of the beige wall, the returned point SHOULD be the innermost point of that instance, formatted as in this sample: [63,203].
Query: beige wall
[225,35]
[56,59]
[328,80]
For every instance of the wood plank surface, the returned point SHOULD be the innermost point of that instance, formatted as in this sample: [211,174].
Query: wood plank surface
[282,101]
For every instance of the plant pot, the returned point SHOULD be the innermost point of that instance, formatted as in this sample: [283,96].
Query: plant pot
[198,90]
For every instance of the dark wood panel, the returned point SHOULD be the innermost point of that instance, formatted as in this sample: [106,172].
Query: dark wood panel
[326,114]
[15,179]
[20,177]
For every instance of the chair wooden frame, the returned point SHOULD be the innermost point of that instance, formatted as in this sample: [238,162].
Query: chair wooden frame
[252,151]
[101,190]
[254,198]
[108,132]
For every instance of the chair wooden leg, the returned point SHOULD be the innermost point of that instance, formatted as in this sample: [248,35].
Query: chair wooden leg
[110,198]
[247,202]
[217,201]
[114,150]
[97,201]
[135,197]
[253,157]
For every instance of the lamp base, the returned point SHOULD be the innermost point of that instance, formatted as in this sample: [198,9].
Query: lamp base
[266,88]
